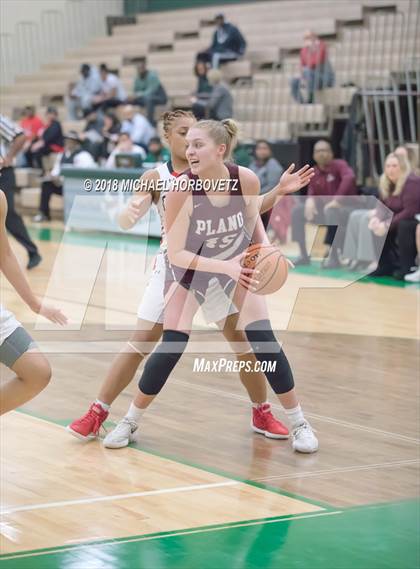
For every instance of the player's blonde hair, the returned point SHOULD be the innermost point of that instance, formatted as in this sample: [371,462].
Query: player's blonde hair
[222,132]
[170,117]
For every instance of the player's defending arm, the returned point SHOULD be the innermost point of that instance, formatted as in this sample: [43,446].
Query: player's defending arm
[12,271]
[251,190]
[289,183]
[140,203]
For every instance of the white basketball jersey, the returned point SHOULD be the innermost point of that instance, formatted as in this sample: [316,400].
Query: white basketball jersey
[166,173]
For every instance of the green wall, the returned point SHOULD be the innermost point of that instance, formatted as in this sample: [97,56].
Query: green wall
[132,7]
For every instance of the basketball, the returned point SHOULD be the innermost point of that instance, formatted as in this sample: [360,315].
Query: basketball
[271,263]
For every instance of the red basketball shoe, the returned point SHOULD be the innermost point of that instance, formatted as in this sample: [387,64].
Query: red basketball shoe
[87,427]
[264,422]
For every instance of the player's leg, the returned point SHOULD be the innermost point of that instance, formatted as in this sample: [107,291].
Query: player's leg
[255,382]
[119,376]
[33,372]
[180,308]
[254,319]
[125,364]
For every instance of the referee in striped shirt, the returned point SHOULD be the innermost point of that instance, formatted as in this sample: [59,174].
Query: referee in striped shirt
[12,139]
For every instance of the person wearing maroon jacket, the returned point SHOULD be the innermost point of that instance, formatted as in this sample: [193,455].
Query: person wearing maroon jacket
[399,190]
[332,181]
[316,70]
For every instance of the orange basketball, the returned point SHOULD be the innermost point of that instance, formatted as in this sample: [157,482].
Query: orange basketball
[271,263]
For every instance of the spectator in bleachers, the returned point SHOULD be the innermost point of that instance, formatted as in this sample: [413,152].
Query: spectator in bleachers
[204,88]
[399,190]
[73,155]
[228,44]
[32,126]
[242,154]
[148,91]
[112,91]
[411,154]
[137,126]
[51,140]
[92,133]
[110,132]
[316,70]
[81,95]
[156,152]
[219,106]
[268,170]
[125,146]
[333,180]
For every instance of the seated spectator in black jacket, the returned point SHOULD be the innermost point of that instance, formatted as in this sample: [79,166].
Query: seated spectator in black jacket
[228,44]
[92,133]
[51,139]
[110,133]
[73,155]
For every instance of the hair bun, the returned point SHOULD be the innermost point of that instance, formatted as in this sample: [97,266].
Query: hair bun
[231,127]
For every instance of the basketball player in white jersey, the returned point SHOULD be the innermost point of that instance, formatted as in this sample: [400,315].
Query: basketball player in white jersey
[17,349]
[150,312]
[191,268]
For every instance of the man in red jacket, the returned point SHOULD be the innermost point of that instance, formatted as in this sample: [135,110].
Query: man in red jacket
[316,70]
[332,181]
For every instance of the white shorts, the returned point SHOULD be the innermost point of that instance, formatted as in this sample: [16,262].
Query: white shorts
[216,307]
[8,323]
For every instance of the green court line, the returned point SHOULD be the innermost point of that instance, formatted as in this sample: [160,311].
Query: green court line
[141,244]
[135,243]
[185,462]
[368,537]
[161,534]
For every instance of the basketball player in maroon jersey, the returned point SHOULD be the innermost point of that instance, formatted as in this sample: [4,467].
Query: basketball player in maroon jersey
[197,253]
[150,312]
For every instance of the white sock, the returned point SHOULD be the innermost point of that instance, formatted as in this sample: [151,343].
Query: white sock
[104,406]
[295,416]
[134,413]
[259,405]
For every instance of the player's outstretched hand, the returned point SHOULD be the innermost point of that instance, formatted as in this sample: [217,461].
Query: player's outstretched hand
[291,182]
[53,314]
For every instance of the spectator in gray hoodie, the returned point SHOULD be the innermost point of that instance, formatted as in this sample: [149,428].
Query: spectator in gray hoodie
[268,170]
[219,106]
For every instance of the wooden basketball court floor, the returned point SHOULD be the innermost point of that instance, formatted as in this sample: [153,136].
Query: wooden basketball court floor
[200,489]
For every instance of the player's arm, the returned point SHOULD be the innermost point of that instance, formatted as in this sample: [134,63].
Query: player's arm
[289,183]
[15,147]
[140,203]
[11,269]
[251,190]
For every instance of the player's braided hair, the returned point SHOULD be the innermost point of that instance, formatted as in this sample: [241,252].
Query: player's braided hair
[169,117]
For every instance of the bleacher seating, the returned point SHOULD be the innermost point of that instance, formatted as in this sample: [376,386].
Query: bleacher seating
[362,51]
